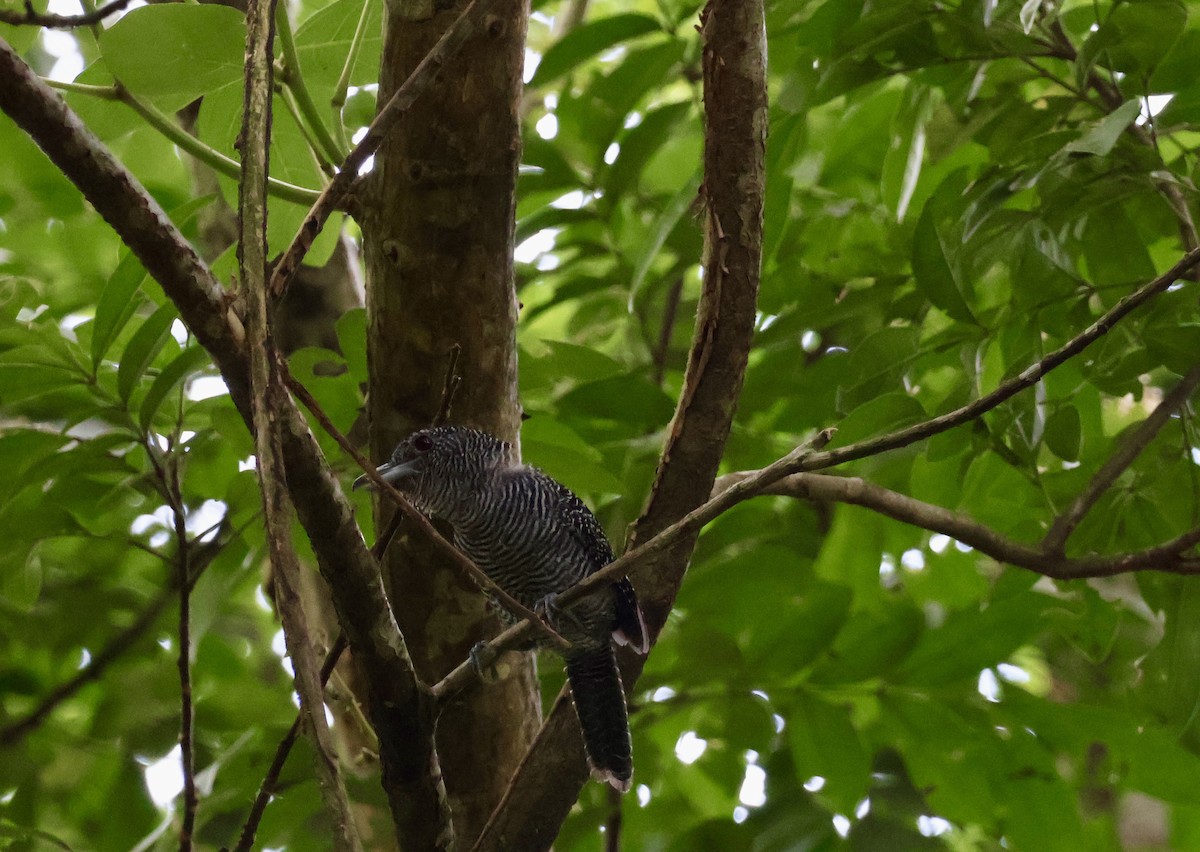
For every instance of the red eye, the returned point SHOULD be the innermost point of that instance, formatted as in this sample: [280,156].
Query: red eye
[422,443]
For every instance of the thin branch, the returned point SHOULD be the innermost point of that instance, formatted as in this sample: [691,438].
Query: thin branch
[1168,557]
[449,386]
[183,140]
[460,560]
[468,23]
[167,472]
[1026,378]
[267,788]
[271,779]
[614,820]
[31,17]
[293,78]
[1130,449]
[202,556]
[268,396]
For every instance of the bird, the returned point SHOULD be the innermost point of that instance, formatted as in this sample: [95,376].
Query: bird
[534,538]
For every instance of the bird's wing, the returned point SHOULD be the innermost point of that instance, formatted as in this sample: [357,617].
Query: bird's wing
[629,627]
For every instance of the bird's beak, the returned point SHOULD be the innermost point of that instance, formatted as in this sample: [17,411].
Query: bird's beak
[390,472]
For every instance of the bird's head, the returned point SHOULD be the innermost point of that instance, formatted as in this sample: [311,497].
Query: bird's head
[437,468]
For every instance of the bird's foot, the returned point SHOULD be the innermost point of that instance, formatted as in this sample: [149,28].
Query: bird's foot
[550,612]
[483,660]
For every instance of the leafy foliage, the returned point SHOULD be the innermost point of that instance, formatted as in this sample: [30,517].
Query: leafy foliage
[953,191]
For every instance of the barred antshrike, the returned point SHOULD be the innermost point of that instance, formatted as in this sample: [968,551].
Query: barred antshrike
[534,538]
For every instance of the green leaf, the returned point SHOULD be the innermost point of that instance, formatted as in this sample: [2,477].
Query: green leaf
[1103,135]
[588,40]
[881,415]
[1064,432]
[180,51]
[143,348]
[352,340]
[825,743]
[1137,35]
[117,305]
[936,267]
[974,639]
[1171,672]
[187,362]
[664,224]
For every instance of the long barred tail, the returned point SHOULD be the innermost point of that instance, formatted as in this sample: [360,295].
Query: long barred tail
[600,703]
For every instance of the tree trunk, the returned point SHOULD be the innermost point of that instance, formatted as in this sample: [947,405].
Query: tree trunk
[438,247]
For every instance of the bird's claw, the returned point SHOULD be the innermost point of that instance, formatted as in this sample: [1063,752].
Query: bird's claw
[549,611]
[483,661]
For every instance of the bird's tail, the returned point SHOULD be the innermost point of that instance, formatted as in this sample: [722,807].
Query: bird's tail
[600,702]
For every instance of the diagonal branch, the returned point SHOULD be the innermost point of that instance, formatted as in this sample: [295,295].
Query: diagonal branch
[852,490]
[269,396]
[1130,449]
[468,23]
[31,17]
[1006,390]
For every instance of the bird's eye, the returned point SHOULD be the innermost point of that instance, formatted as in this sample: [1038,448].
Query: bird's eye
[422,443]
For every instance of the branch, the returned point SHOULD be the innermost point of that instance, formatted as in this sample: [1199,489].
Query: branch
[167,472]
[400,709]
[183,140]
[1130,449]
[1027,378]
[267,789]
[468,23]
[852,490]
[30,17]
[269,396]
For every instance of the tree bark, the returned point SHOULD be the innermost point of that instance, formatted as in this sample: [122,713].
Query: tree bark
[438,236]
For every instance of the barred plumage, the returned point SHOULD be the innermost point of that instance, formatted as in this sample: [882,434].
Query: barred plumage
[534,538]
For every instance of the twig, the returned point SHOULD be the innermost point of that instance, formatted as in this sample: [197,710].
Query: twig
[1027,378]
[1130,449]
[854,491]
[168,476]
[449,386]
[267,788]
[467,24]
[614,820]
[183,140]
[463,562]
[269,396]
[202,556]
[31,17]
